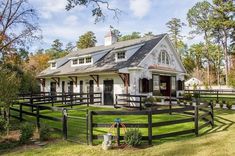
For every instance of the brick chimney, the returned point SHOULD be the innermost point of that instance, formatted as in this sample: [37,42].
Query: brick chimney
[110,38]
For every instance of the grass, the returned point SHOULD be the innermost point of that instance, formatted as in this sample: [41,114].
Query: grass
[217,141]
[77,130]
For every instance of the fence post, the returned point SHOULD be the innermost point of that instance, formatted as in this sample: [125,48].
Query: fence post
[170,106]
[64,120]
[91,128]
[140,103]
[217,97]
[52,100]
[118,133]
[87,128]
[116,101]
[21,118]
[31,102]
[71,100]
[37,115]
[196,119]
[88,99]
[150,127]
[212,114]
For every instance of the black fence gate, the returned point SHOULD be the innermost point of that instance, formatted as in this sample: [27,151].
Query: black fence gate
[75,125]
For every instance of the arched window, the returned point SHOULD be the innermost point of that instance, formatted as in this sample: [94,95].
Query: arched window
[163,58]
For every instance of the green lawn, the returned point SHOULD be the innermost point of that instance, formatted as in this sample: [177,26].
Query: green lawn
[77,131]
[217,141]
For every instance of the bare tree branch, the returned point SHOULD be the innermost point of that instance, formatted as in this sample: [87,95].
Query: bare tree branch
[97,11]
[18,24]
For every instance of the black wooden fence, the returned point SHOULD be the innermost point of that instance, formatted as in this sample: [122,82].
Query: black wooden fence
[129,101]
[67,99]
[194,116]
[74,132]
[212,94]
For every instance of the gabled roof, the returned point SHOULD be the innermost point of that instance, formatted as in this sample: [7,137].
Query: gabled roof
[107,62]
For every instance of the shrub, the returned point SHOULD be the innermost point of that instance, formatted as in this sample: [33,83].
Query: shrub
[221,105]
[150,99]
[229,105]
[44,133]
[196,94]
[26,132]
[188,96]
[2,125]
[133,137]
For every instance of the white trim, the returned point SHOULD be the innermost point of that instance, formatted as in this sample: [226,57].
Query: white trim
[151,50]
[176,54]
[51,61]
[55,65]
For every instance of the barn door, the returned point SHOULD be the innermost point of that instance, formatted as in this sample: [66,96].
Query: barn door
[108,92]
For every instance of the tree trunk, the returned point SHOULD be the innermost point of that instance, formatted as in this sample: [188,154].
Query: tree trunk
[218,68]
[226,56]
[8,120]
[208,62]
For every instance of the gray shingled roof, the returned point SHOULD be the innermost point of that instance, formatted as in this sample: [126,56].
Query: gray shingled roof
[107,62]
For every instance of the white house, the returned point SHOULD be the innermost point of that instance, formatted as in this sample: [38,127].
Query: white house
[193,82]
[148,66]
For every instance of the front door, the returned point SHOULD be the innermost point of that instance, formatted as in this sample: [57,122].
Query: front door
[91,91]
[165,85]
[70,87]
[108,92]
[53,88]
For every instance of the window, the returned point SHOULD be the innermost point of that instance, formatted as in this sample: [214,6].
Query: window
[163,58]
[75,61]
[180,85]
[121,55]
[81,61]
[145,85]
[88,60]
[53,64]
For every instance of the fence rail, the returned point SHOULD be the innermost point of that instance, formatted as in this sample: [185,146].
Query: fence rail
[194,118]
[212,94]
[130,101]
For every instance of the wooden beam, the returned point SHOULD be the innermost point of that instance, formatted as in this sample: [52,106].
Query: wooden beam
[96,79]
[126,80]
[74,79]
[57,80]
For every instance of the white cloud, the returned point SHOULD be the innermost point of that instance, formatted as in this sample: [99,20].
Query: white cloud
[140,7]
[48,7]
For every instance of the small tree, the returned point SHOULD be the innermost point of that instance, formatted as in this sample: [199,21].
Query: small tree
[9,86]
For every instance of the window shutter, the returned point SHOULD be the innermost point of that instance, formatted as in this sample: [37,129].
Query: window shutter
[140,86]
[151,85]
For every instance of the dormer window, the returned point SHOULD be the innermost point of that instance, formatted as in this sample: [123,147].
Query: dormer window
[163,58]
[88,60]
[75,61]
[53,65]
[81,61]
[121,55]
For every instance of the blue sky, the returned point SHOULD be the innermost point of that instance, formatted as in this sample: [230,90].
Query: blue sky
[137,15]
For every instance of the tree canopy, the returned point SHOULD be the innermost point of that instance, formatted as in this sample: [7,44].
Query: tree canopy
[86,40]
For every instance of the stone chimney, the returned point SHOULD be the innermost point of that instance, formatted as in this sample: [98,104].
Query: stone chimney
[110,38]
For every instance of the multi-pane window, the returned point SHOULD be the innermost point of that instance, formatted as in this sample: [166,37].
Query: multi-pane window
[53,64]
[163,58]
[121,55]
[81,61]
[75,61]
[88,60]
